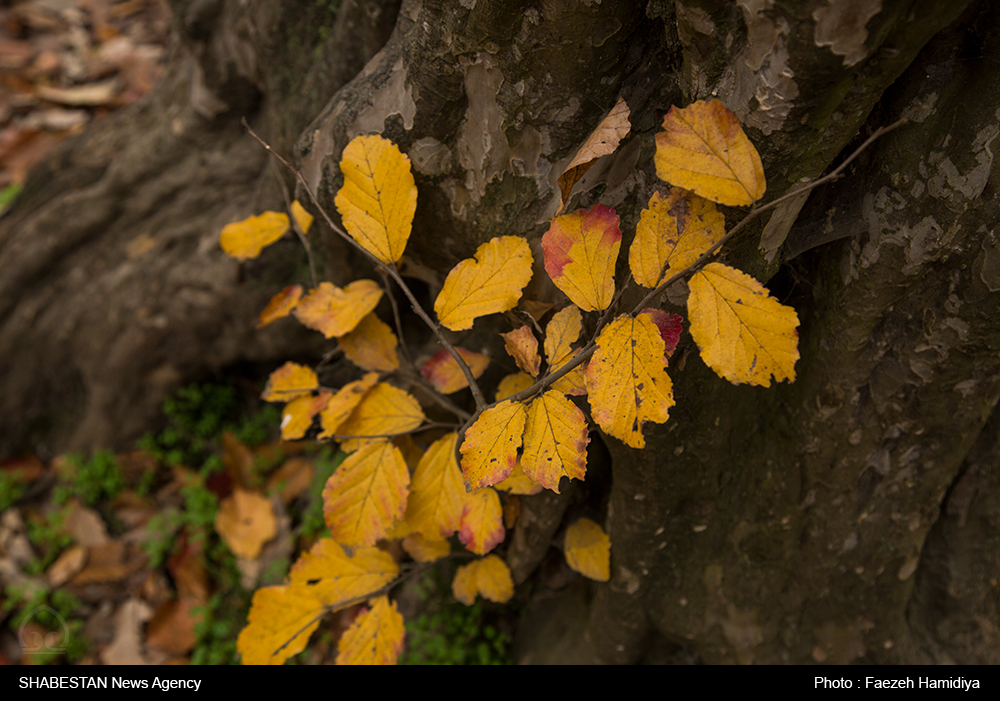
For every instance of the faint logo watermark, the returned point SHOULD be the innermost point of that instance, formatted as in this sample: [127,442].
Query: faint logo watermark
[34,642]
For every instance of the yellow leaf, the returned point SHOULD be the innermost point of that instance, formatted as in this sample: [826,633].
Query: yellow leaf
[491,282]
[519,483]
[371,345]
[490,446]
[675,230]
[378,198]
[280,617]
[555,440]
[245,521]
[385,410]
[342,404]
[423,550]
[297,416]
[560,335]
[627,379]
[338,579]
[601,142]
[581,250]
[442,370]
[280,306]
[333,311]
[289,381]
[437,494]
[743,333]
[245,239]
[303,218]
[489,577]
[703,148]
[588,550]
[366,495]
[522,346]
[482,528]
[574,382]
[375,637]
[512,384]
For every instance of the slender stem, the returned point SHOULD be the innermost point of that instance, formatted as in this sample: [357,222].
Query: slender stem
[477,393]
[396,319]
[419,429]
[295,226]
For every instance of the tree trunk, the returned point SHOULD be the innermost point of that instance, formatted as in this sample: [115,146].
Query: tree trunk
[850,516]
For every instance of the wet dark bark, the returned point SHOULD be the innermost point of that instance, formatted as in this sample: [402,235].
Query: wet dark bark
[850,516]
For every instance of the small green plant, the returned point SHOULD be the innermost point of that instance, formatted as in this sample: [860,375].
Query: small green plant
[92,480]
[219,622]
[47,535]
[13,485]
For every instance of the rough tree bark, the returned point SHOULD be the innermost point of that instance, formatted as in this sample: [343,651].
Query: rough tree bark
[851,516]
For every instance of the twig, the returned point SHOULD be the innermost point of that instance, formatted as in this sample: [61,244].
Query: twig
[295,226]
[477,393]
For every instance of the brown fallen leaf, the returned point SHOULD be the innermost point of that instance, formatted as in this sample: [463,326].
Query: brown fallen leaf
[67,565]
[126,648]
[187,567]
[171,628]
[84,525]
[602,141]
[92,94]
[291,479]
[245,521]
[110,562]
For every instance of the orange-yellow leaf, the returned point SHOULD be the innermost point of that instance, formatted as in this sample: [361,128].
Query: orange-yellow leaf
[555,440]
[442,370]
[297,416]
[512,384]
[673,231]
[627,379]
[303,218]
[378,198]
[519,483]
[423,550]
[245,239]
[482,528]
[703,148]
[289,381]
[574,382]
[601,142]
[384,411]
[522,346]
[278,615]
[338,579]
[375,637]
[560,335]
[371,345]
[489,450]
[437,494]
[333,311]
[280,306]
[743,333]
[581,249]
[366,495]
[489,577]
[245,521]
[342,404]
[491,282]
[588,550]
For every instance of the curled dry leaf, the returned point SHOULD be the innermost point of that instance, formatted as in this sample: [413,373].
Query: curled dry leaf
[522,346]
[602,141]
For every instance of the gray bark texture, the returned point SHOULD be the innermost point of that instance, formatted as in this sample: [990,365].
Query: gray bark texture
[851,516]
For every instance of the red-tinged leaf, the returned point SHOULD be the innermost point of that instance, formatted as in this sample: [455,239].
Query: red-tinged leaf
[437,494]
[338,579]
[366,495]
[371,345]
[333,311]
[490,447]
[342,404]
[522,346]
[288,382]
[489,283]
[555,441]
[482,522]
[280,306]
[670,326]
[581,250]
[375,637]
[443,373]
[627,379]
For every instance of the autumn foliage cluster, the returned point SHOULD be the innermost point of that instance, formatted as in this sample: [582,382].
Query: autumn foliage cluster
[535,431]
